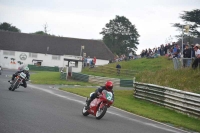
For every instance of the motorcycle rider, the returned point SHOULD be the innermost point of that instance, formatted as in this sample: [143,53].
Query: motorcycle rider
[24,70]
[108,86]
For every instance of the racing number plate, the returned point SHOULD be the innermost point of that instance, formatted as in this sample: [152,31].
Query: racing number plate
[23,75]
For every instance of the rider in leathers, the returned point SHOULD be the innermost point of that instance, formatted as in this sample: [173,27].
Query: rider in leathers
[26,71]
[108,86]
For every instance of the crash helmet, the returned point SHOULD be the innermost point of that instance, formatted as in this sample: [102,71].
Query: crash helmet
[109,85]
[26,69]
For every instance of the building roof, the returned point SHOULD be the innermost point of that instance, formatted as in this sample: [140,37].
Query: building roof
[53,45]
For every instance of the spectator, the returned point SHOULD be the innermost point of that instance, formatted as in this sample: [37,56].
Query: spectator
[118,68]
[186,55]
[175,51]
[130,55]
[88,61]
[94,60]
[91,63]
[192,51]
[85,61]
[197,56]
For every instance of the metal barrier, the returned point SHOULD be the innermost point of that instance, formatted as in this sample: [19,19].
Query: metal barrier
[102,80]
[186,102]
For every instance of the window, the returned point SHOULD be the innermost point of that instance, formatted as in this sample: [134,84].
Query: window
[9,53]
[55,57]
[33,55]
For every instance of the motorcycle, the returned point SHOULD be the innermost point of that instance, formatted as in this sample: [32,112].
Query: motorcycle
[99,105]
[17,81]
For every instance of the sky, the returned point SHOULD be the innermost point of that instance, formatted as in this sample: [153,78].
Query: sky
[85,19]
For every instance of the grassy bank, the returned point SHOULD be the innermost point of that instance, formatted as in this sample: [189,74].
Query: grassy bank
[125,100]
[159,71]
[42,77]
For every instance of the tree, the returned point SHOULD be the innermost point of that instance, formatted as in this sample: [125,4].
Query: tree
[119,34]
[191,18]
[40,33]
[8,27]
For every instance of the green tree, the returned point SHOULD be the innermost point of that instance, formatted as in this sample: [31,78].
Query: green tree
[40,33]
[8,27]
[191,18]
[119,34]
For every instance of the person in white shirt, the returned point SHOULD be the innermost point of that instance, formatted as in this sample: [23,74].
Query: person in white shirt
[196,61]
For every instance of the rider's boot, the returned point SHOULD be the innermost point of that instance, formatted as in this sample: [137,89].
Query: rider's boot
[88,103]
[10,81]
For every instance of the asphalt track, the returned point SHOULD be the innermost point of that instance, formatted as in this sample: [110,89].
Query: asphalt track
[46,109]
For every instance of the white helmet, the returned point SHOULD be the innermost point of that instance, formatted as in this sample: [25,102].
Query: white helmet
[26,68]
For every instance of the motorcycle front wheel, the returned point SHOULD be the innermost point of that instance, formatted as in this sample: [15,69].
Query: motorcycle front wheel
[101,112]
[85,112]
[14,85]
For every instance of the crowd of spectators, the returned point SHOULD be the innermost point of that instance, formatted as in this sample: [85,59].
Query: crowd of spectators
[89,62]
[190,53]
[173,50]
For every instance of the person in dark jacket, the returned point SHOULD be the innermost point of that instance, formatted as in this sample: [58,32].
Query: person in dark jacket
[108,86]
[118,68]
[26,71]
[186,55]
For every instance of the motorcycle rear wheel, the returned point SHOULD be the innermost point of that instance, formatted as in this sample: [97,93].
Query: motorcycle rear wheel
[101,112]
[85,112]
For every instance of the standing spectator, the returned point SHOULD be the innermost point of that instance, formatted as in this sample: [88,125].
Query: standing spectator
[192,51]
[165,49]
[94,60]
[130,55]
[85,61]
[186,55]
[175,51]
[88,61]
[197,56]
[118,68]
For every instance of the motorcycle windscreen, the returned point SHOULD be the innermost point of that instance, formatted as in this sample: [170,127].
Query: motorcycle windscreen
[109,96]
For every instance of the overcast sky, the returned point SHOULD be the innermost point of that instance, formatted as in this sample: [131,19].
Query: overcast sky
[86,18]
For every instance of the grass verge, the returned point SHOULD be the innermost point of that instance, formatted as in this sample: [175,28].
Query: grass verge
[158,71]
[125,100]
[45,77]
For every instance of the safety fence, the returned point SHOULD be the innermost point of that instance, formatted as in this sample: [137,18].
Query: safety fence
[102,80]
[43,68]
[183,62]
[186,102]
[113,71]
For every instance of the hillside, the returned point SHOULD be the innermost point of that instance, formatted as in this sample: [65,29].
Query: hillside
[159,71]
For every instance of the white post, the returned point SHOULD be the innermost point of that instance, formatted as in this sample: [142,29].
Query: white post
[81,51]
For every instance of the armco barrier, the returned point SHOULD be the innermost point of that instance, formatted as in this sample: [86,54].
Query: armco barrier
[126,83]
[102,80]
[63,75]
[80,76]
[186,102]
[43,68]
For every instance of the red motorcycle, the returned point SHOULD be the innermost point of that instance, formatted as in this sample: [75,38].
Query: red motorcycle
[99,105]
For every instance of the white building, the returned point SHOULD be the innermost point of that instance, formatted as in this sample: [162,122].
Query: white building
[43,50]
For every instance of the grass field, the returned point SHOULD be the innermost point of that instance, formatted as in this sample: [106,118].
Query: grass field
[44,77]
